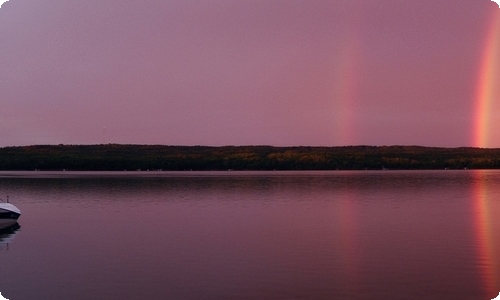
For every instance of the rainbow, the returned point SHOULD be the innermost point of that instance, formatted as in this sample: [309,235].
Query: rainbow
[488,80]
[346,94]
[347,63]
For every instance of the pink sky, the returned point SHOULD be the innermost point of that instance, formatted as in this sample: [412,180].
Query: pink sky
[245,72]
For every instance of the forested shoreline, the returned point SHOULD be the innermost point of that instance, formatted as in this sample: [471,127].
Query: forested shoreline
[116,157]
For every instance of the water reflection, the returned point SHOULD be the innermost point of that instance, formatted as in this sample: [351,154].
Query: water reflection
[7,233]
[348,223]
[484,209]
[330,235]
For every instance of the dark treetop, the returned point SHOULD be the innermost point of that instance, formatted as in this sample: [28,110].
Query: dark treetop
[114,157]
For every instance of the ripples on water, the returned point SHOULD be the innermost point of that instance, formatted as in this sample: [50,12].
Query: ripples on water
[252,235]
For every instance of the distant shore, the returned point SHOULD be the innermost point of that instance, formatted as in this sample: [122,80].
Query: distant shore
[117,157]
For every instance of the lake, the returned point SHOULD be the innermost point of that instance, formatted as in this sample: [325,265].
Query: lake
[252,235]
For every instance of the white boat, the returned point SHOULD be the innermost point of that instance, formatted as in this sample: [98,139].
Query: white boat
[9,213]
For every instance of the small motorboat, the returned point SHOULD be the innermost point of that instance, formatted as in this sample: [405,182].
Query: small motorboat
[9,213]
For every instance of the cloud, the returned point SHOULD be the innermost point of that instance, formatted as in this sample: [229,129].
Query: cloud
[2,2]
[497,298]
[497,2]
[1,297]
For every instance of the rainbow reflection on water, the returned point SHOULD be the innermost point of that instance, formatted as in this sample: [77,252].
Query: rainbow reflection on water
[485,206]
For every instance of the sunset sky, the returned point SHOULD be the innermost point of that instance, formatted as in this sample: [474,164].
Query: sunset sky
[250,72]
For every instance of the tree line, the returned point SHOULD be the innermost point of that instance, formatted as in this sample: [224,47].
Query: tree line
[116,157]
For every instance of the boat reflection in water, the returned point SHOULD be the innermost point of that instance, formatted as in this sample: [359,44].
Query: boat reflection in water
[9,214]
[7,233]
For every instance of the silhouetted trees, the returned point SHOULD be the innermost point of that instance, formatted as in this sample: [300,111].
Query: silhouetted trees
[154,157]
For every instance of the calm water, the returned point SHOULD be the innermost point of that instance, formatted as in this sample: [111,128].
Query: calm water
[256,235]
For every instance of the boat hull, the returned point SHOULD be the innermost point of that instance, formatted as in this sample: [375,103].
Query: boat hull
[8,218]
[7,222]
[8,213]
